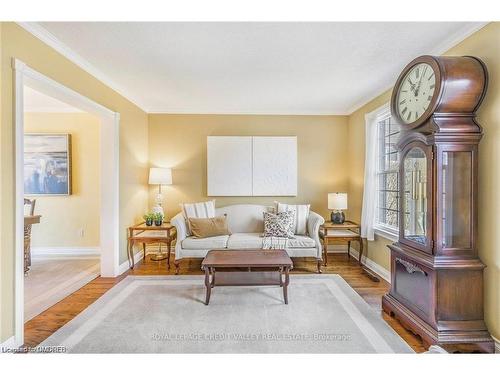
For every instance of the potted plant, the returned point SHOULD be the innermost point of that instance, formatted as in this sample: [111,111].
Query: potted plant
[158,218]
[149,219]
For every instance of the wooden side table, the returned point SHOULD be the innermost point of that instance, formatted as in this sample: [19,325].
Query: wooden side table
[141,233]
[347,232]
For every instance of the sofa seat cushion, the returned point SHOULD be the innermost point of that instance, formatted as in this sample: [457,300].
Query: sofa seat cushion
[193,243]
[254,241]
[300,242]
[245,241]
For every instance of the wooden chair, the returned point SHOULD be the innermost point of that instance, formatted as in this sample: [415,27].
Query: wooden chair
[27,235]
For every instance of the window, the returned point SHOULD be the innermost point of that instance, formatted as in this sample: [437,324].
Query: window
[387,171]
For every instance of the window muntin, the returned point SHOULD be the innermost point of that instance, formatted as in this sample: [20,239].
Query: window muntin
[387,205]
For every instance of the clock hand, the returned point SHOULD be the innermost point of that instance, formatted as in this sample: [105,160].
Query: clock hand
[420,82]
[412,85]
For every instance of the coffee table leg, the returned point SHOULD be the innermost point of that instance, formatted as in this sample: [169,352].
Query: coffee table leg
[285,285]
[208,285]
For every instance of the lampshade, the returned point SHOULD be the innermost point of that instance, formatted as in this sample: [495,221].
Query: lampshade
[160,176]
[337,201]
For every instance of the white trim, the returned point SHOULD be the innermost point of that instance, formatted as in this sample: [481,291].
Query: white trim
[375,267]
[48,38]
[367,262]
[184,111]
[125,266]
[64,251]
[19,75]
[109,176]
[370,196]
[441,48]
[386,233]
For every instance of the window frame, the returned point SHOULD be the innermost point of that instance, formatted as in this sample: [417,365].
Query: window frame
[386,231]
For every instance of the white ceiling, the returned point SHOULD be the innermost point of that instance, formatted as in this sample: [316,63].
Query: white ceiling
[35,101]
[249,68]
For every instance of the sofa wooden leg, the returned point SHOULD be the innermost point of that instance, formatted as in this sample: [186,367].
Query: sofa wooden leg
[319,263]
[177,266]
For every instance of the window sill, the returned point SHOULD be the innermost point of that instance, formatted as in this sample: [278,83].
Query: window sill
[386,233]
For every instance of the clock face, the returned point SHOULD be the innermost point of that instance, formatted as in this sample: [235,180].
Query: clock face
[416,92]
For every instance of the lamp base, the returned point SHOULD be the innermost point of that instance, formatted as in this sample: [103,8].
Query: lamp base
[158,210]
[337,217]
[158,257]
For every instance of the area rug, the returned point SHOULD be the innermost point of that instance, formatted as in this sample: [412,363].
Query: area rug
[166,314]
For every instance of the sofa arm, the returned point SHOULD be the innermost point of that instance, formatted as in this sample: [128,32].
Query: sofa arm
[313,223]
[179,222]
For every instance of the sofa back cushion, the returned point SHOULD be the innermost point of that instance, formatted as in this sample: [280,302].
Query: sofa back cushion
[244,218]
[300,213]
[197,210]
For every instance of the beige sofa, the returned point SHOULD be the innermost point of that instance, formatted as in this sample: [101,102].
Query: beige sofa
[246,225]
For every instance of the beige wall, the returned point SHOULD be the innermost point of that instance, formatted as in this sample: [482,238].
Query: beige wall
[64,216]
[179,142]
[483,44]
[133,194]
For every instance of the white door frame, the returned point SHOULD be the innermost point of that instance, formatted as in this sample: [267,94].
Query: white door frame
[109,173]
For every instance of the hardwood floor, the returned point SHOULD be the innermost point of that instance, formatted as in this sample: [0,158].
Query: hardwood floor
[42,326]
[50,280]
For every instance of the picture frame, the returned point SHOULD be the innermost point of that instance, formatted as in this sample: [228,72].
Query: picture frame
[47,164]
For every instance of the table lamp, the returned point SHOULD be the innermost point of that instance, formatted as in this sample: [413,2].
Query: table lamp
[160,176]
[337,202]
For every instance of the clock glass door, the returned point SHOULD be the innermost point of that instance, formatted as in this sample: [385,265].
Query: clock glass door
[415,199]
[456,196]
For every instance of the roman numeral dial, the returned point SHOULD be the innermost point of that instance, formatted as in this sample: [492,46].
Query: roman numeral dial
[415,92]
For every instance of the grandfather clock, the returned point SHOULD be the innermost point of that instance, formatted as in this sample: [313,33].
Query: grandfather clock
[437,276]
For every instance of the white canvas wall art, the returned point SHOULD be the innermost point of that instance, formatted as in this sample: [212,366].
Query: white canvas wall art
[229,166]
[274,166]
[251,166]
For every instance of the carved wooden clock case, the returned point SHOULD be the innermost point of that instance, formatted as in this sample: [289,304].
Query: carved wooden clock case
[437,276]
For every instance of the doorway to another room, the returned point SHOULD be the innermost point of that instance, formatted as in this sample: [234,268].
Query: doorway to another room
[61,200]
[67,193]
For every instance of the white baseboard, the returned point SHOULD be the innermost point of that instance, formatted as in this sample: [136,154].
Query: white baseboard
[370,264]
[59,252]
[10,343]
[125,266]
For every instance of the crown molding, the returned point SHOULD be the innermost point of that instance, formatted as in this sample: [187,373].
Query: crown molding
[52,41]
[441,48]
[222,112]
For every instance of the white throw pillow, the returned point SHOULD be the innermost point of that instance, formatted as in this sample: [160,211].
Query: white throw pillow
[200,210]
[301,213]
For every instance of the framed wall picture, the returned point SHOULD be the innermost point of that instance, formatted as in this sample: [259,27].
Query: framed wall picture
[47,164]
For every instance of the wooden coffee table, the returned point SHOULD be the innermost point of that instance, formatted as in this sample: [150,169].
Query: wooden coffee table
[264,267]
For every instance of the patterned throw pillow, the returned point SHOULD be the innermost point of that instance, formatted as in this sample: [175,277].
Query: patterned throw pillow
[301,215]
[278,225]
[201,210]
